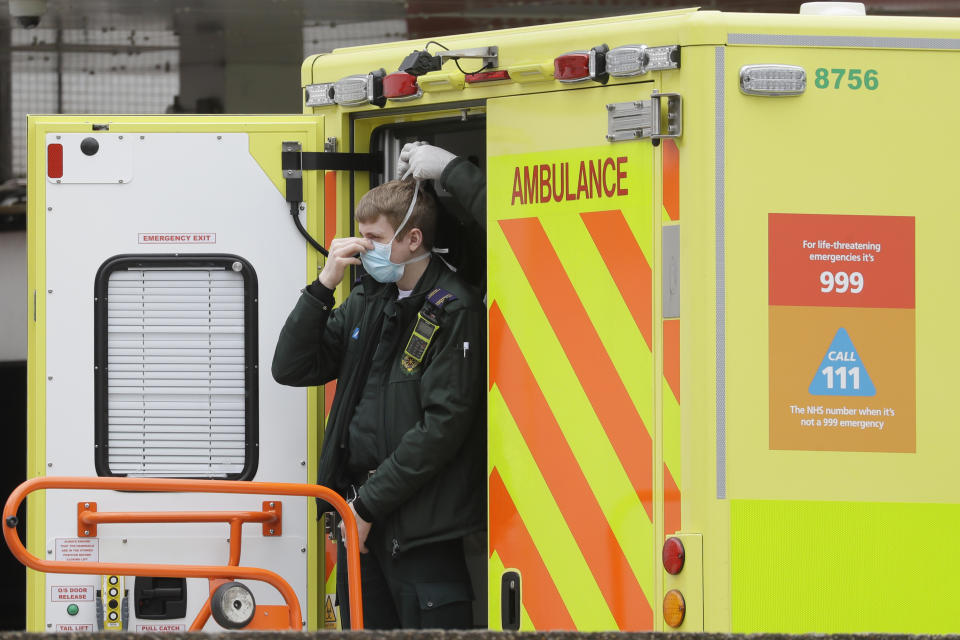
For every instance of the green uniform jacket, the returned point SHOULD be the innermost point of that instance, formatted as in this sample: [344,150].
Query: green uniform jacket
[428,485]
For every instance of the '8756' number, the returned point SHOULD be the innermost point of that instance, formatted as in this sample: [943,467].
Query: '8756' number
[856,78]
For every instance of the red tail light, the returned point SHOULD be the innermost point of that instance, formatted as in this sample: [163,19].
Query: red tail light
[400,85]
[673,556]
[572,67]
[486,76]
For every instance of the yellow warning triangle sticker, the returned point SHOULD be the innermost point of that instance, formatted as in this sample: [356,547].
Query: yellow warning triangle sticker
[329,615]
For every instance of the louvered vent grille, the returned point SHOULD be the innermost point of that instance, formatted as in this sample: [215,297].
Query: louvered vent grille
[176,377]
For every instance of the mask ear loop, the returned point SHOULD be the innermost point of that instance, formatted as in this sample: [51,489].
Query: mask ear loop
[436,250]
[413,202]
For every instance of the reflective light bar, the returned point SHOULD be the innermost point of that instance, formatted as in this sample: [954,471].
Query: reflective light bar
[441,81]
[573,66]
[535,72]
[772,80]
[628,60]
[486,76]
[319,95]
[661,58]
[401,86]
[351,91]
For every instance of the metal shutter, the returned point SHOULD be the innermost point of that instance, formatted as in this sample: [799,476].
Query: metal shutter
[176,372]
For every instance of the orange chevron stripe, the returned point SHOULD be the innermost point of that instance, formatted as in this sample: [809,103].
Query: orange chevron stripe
[330,557]
[510,538]
[329,207]
[599,378]
[627,265]
[568,485]
[671,179]
[671,503]
[329,390]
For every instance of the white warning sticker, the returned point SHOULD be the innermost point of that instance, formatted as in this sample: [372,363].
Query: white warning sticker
[74,627]
[161,628]
[177,238]
[78,549]
[72,593]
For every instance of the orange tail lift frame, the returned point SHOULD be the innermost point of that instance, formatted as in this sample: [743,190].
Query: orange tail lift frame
[88,518]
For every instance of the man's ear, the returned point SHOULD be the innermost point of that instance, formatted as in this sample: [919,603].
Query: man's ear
[414,239]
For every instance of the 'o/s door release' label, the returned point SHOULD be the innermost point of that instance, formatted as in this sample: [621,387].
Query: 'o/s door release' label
[842,333]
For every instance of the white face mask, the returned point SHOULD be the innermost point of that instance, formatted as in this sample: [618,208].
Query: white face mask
[377,262]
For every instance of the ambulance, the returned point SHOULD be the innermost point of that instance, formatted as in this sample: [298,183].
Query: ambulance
[716,261]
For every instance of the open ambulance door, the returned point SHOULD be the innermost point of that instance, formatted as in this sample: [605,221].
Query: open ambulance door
[574,222]
[163,263]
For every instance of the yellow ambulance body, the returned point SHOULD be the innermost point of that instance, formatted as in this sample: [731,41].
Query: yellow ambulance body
[704,275]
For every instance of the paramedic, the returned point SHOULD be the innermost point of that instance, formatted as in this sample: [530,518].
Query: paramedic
[404,441]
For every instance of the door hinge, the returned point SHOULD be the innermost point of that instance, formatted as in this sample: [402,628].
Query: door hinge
[653,118]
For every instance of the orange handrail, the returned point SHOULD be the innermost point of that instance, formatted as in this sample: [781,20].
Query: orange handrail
[158,517]
[235,520]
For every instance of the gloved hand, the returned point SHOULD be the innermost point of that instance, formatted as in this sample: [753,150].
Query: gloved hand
[422,161]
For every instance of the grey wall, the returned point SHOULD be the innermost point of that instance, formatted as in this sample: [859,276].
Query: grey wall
[13,296]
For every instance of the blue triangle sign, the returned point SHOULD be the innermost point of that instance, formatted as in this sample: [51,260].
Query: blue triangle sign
[842,373]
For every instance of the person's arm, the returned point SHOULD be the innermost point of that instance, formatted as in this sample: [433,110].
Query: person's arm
[468,184]
[311,345]
[451,394]
[312,342]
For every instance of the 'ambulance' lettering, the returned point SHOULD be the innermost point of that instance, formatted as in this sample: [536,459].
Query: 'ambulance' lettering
[543,183]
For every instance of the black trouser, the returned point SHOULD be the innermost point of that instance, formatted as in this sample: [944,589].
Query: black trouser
[427,587]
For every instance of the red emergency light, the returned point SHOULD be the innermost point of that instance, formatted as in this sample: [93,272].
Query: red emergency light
[486,76]
[401,86]
[572,67]
[576,66]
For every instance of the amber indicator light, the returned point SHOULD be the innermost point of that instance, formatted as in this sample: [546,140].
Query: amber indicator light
[674,608]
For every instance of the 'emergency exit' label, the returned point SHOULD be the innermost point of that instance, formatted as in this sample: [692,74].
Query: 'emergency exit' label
[842,332]
[177,238]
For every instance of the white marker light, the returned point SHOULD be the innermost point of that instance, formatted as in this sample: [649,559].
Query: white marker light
[772,80]
[628,60]
[352,90]
[319,95]
[661,58]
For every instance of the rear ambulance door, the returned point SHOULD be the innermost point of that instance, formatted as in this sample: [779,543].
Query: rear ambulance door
[163,263]
[572,243]
[841,240]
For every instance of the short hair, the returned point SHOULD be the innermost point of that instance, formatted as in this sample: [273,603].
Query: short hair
[392,199]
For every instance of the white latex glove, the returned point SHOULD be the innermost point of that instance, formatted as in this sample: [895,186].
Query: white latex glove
[403,163]
[423,161]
